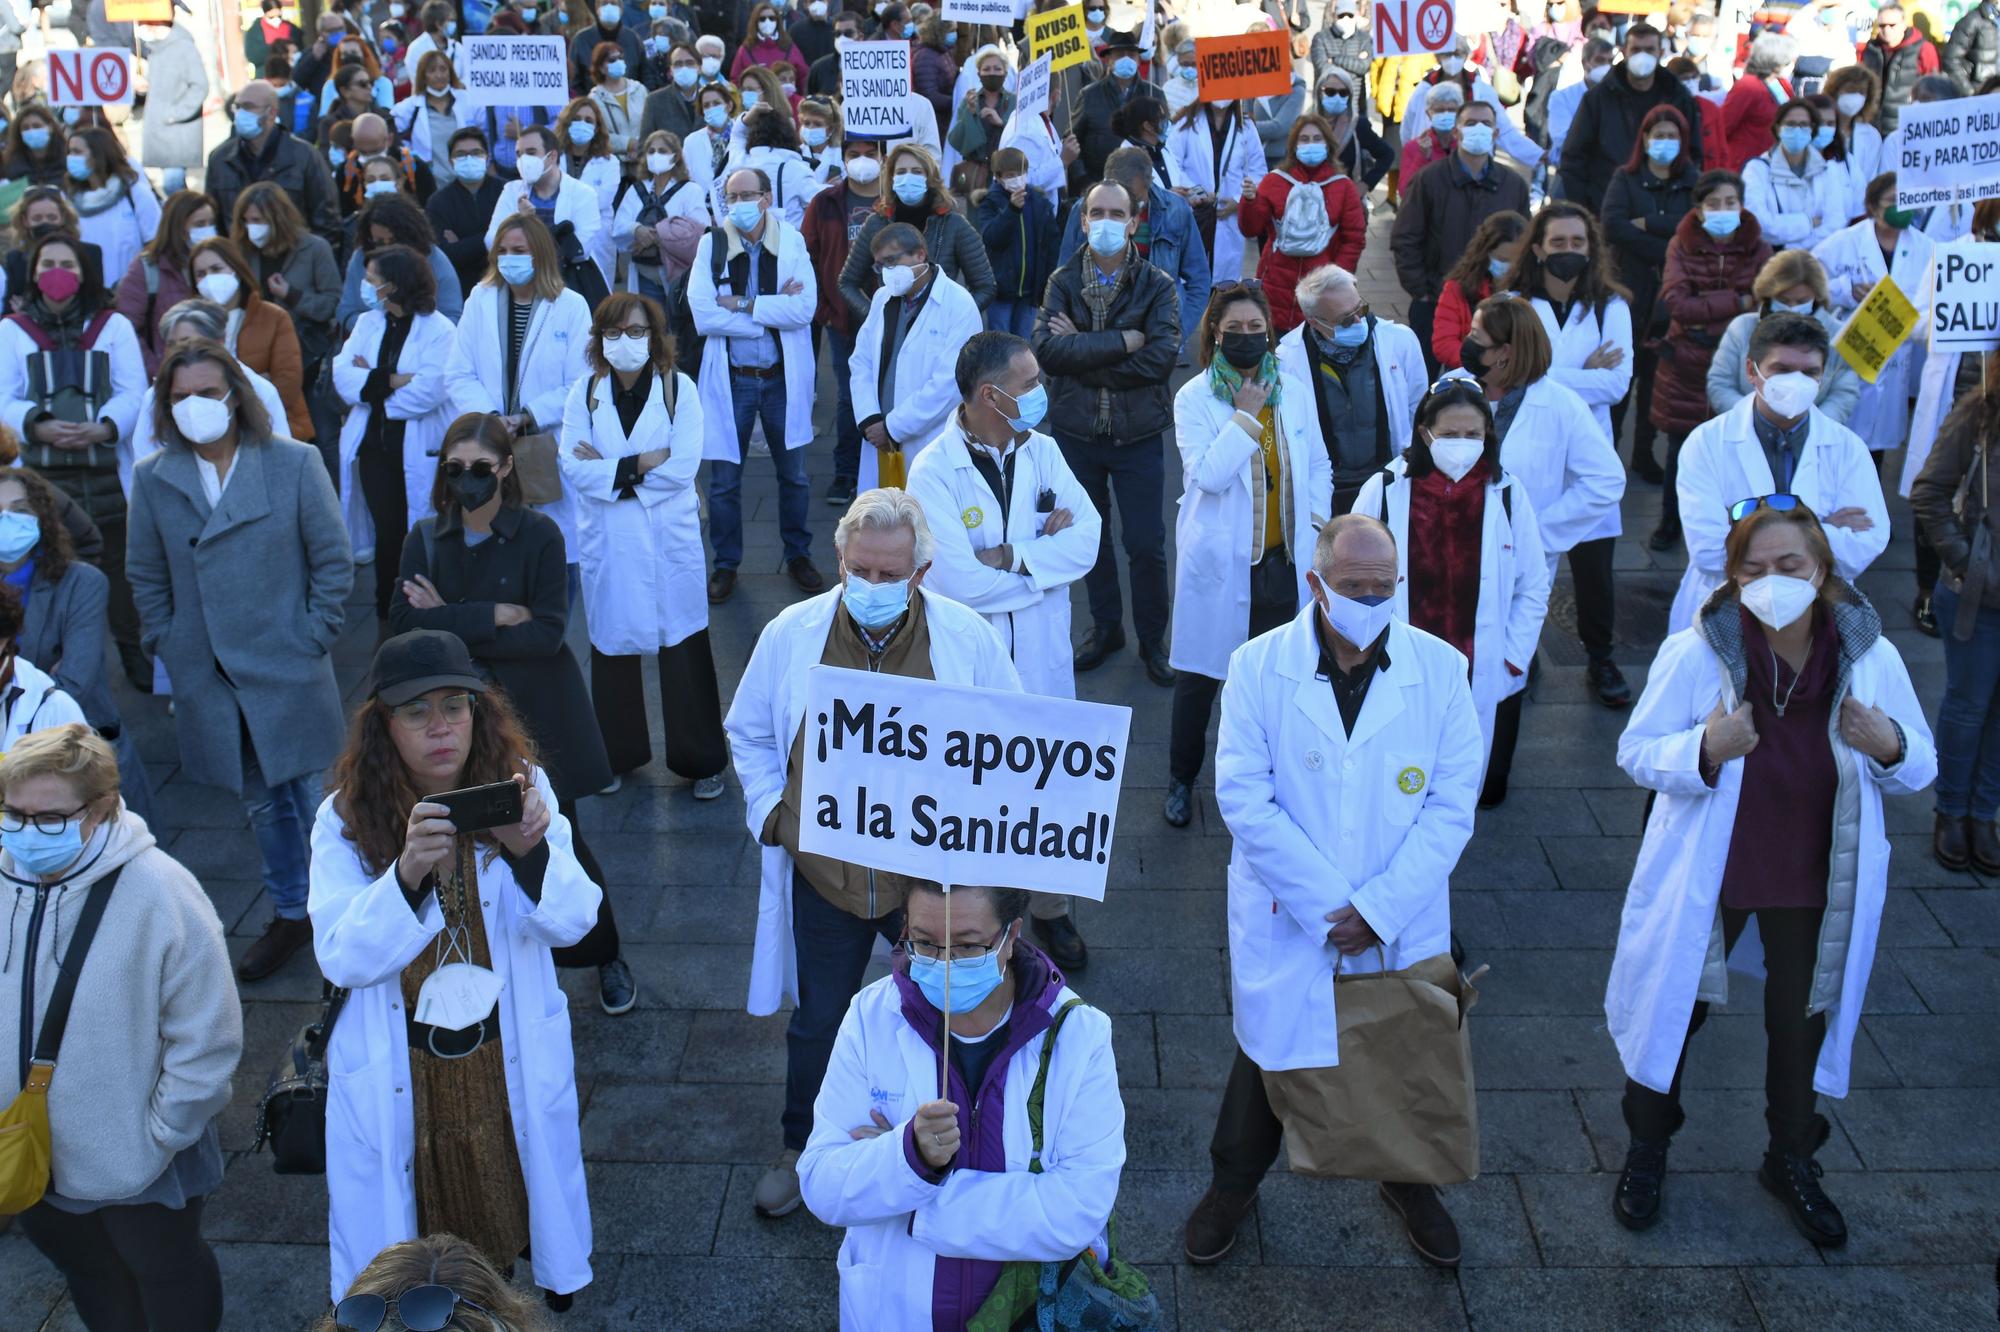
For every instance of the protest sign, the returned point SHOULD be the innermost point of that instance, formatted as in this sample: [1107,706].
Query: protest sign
[90,76]
[1059,35]
[515,71]
[1414,27]
[1250,64]
[1965,306]
[997,13]
[1949,152]
[139,11]
[875,89]
[1876,328]
[1033,97]
[961,785]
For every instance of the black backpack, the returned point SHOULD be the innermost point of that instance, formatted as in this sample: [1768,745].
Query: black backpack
[689,343]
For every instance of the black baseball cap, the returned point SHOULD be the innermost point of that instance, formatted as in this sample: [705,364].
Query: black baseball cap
[411,665]
[1114,40]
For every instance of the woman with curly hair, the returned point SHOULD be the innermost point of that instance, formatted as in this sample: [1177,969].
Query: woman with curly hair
[451,1083]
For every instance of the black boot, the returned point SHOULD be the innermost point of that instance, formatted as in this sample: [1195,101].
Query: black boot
[1636,1203]
[1792,1176]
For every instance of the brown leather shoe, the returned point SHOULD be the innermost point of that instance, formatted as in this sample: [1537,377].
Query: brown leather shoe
[1211,1230]
[1429,1226]
[274,948]
[721,586]
[1985,844]
[1949,842]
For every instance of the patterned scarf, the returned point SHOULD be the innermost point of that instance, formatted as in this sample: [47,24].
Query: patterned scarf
[1224,379]
[1099,297]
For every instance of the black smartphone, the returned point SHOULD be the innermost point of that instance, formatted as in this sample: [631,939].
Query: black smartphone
[478,808]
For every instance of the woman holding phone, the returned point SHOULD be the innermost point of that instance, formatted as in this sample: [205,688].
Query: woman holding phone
[451,1083]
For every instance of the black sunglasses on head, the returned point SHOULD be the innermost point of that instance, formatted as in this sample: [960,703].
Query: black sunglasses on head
[421,1309]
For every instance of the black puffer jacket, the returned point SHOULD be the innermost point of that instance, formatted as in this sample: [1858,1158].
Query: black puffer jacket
[1972,56]
[1079,364]
[1637,196]
[1607,126]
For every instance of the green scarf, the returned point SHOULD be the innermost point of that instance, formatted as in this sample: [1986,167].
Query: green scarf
[1224,379]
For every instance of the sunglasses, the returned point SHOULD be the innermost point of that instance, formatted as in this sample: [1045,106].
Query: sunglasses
[421,1309]
[455,469]
[1240,284]
[1743,508]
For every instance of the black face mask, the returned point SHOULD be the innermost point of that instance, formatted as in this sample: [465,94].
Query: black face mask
[474,489]
[1567,266]
[993,82]
[1245,351]
[1472,355]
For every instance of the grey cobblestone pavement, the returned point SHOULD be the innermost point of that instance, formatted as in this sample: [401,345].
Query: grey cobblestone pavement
[681,1098]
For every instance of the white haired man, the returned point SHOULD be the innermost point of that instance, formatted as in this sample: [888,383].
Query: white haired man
[817,919]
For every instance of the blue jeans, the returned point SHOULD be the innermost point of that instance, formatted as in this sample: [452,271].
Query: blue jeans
[650,289]
[1016,317]
[756,399]
[282,818]
[833,949]
[847,431]
[1968,723]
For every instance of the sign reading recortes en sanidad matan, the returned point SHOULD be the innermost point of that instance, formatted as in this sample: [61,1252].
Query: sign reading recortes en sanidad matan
[516,71]
[1948,152]
[875,89]
[965,786]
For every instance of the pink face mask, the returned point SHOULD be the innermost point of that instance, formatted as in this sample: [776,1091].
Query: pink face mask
[58,284]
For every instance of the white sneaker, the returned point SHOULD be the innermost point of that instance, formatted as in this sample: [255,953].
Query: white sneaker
[708,788]
[777,1192]
[616,782]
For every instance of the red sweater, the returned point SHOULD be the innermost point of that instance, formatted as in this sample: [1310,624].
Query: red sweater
[1259,218]
[1447,519]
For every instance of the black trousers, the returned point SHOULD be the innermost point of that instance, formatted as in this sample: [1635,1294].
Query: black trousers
[121,611]
[1194,696]
[1506,734]
[1596,606]
[1639,398]
[381,472]
[1670,500]
[601,944]
[1137,469]
[1423,319]
[1791,948]
[1928,563]
[690,709]
[1247,1130]
[133,1269]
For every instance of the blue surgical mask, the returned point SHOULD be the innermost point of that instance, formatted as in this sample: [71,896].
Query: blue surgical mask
[1777,307]
[1497,267]
[248,126]
[1823,137]
[528,15]
[1108,235]
[911,188]
[1795,138]
[471,170]
[336,154]
[42,854]
[371,295]
[1124,67]
[451,27]
[951,38]
[814,135]
[78,166]
[1476,140]
[971,980]
[1334,104]
[616,69]
[751,97]
[1663,151]
[685,75]
[909,30]
[515,269]
[1444,122]
[1350,335]
[1190,73]
[581,132]
[716,114]
[746,215]
[656,12]
[1029,408]
[1312,154]
[18,534]
[874,605]
[1722,222]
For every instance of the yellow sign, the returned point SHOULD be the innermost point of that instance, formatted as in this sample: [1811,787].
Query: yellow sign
[139,11]
[1059,35]
[1876,329]
[973,517]
[1410,781]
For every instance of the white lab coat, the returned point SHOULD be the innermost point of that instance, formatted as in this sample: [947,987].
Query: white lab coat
[1670,907]
[641,553]
[699,151]
[1570,346]
[576,203]
[1191,144]
[1399,365]
[765,716]
[1881,415]
[1213,530]
[1514,580]
[1563,105]
[124,228]
[788,316]
[413,127]
[898,1223]
[1322,820]
[1786,203]
[552,358]
[31,702]
[143,443]
[364,934]
[1934,403]
[115,340]
[1507,136]
[1864,156]
[1567,466]
[686,199]
[1027,605]
[423,405]
[1722,462]
[926,390]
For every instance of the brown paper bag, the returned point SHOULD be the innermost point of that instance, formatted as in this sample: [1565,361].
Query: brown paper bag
[535,463]
[1400,1106]
[893,471]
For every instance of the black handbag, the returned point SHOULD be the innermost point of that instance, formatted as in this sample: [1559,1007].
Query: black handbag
[291,1118]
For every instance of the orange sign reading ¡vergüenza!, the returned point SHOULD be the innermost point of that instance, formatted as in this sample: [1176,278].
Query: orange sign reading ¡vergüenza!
[1254,64]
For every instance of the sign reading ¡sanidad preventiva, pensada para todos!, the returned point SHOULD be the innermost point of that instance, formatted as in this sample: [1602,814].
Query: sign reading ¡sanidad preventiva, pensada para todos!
[965,786]
[516,71]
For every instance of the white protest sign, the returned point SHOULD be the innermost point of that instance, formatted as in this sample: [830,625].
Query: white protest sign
[961,785]
[90,76]
[1965,310]
[515,71]
[875,89]
[1949,153]
[1033,98]
[996,13]
[1414,27]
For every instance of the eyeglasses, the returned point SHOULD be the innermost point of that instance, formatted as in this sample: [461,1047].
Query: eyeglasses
[630,334]
[1355,316]
[1240,284]
[47,821]
[420,1309]
[1743,508]
[956,953]
[416,714]
[455,469]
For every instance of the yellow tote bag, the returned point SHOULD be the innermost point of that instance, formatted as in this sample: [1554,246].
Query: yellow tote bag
[24,1143]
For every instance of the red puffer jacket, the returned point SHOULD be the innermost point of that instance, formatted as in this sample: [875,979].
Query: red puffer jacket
[1261,216]
[1706,282]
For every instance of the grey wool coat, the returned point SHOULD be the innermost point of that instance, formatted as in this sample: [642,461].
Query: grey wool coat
[170,135]
[242,602]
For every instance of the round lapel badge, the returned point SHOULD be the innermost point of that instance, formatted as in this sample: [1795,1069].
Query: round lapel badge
[1410,780]
[1313,760]
[973,517]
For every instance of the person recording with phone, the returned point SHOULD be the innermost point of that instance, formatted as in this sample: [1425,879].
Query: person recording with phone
[452,1089]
